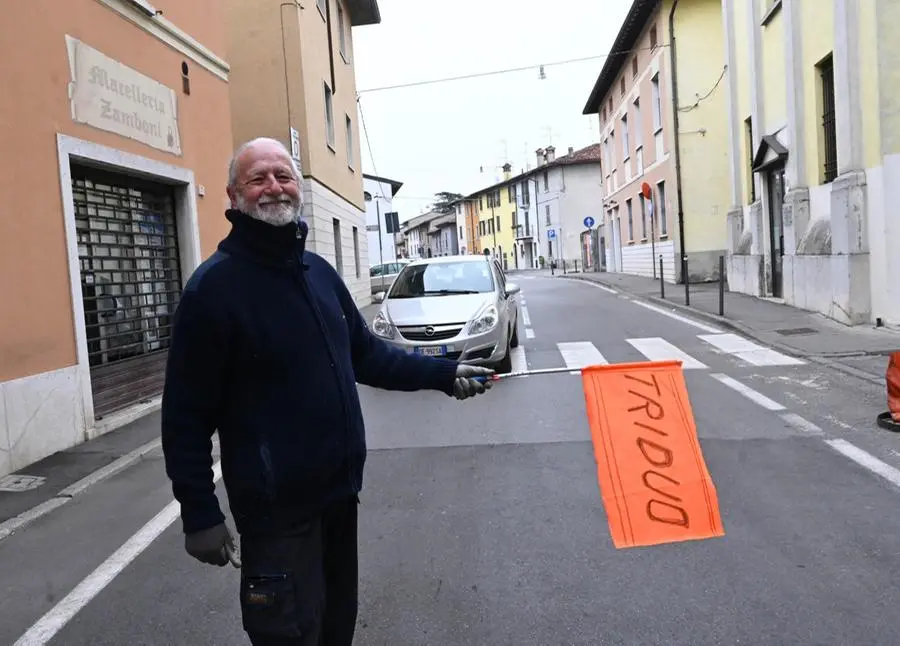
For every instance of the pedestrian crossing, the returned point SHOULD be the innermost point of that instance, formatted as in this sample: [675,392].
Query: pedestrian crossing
[579,354]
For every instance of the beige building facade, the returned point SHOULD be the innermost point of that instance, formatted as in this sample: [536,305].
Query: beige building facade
[114,193]
[292,78]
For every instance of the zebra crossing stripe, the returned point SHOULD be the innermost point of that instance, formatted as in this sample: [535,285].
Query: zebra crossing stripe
[579,354]
[748,351]
[657,349]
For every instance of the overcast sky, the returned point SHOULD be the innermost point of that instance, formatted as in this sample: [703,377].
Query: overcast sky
[437,137]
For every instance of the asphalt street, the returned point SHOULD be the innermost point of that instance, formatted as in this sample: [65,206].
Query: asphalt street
[482,522]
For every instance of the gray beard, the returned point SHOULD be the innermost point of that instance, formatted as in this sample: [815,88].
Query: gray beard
[278,215]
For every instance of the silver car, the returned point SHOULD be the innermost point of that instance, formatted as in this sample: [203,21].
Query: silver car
[458,307]
[383,275]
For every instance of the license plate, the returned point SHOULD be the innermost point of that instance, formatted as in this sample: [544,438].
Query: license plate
[432,350]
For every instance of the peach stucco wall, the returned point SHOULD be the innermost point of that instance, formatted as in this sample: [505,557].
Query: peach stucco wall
[36,326]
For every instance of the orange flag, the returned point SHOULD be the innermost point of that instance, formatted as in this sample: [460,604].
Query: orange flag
[653,479]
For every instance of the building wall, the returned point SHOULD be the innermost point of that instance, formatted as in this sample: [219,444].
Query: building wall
[382,199]
[506,235]
[330,165]
[354,261]
[41,383]
[817,42]
[649,157]
[703,128]
[581,196]
[461,232]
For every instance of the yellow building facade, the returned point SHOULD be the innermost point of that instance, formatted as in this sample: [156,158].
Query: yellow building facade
[813,102]
[495,207]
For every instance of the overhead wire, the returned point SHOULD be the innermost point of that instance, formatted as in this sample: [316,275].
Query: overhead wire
[509,70]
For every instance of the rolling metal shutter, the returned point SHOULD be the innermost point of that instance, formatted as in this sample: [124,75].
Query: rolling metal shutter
[130,280]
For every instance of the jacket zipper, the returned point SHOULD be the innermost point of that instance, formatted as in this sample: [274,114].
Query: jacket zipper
[331,353]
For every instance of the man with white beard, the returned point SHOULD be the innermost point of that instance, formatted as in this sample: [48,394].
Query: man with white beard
[267,348]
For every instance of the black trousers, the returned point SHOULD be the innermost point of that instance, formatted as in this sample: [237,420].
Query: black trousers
[300,587]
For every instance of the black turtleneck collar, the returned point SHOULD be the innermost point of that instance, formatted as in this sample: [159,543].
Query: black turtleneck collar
[264,242]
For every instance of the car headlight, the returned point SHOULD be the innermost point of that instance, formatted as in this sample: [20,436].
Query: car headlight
[485,321]
[382,327]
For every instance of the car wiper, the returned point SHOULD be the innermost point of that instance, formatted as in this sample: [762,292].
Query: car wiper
[444,292]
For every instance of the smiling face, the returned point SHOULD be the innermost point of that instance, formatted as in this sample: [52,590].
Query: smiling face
[264,183]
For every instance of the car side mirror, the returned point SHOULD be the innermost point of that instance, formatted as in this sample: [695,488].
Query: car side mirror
[512,289]
[378,297]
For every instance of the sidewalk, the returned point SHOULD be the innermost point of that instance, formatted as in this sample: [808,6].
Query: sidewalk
[790,330]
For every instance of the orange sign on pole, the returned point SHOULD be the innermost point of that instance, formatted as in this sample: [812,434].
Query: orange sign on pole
[655,485]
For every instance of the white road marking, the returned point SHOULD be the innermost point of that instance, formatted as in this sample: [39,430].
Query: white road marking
[579,354]
[866,460]
[525,318]
[657,349]
[519,362]
[748,351]
[801,424]
[678,317]
[749,393]
[63,612]
[529,333]
[603,287]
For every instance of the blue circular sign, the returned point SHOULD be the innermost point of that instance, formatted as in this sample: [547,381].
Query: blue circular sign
[589,222]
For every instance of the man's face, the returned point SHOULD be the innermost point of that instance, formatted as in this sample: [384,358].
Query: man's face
[266,188]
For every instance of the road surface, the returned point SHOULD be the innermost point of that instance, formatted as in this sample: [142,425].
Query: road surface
[482,522]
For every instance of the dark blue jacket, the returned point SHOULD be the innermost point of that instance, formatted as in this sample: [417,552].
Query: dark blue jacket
[267,348]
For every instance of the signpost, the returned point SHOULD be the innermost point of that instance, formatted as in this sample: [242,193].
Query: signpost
[648,195]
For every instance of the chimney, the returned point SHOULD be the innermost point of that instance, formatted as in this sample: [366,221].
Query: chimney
[551,154]
[507,172]
[571,150]
[540,156]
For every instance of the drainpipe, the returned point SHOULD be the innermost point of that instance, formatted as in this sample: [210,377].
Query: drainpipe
[674,65]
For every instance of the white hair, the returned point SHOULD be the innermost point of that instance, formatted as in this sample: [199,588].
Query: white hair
[232,165]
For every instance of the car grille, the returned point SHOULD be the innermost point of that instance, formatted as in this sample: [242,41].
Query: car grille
[438,332]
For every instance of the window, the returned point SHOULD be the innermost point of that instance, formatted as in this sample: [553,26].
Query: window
[338,251]
[653,37]
[622,86]
[634,67]
[356,251]
[638,125]
[349,142]
[829,131]
[440,277]
[546,182]
[625,149]
[342,37]
[547,213]
[661,208]
[329,118]
[630,221]
[657,106]
[643,216]
[320,4]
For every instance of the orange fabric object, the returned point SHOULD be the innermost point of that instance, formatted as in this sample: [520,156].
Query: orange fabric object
[653,479]
[893,386]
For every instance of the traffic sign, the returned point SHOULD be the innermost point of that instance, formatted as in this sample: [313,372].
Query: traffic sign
[588,222]
[551,233]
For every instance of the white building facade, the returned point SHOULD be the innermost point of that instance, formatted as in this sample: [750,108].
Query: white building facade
[382,220]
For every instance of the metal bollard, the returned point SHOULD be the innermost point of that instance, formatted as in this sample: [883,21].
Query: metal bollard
[687,282]
[662,283]
[721,285]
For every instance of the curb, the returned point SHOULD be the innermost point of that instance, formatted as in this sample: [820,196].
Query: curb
[744,330]
[16,523]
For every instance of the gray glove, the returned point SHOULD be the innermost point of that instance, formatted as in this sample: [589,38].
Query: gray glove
[214,546]
[466,385]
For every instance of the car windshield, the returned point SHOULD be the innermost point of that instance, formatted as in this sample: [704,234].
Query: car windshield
[442,279]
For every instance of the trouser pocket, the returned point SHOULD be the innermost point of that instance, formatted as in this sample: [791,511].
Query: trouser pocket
[282,592]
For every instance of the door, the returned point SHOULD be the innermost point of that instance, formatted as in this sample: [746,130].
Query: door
[130,281]
[776,229]
[602,253]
